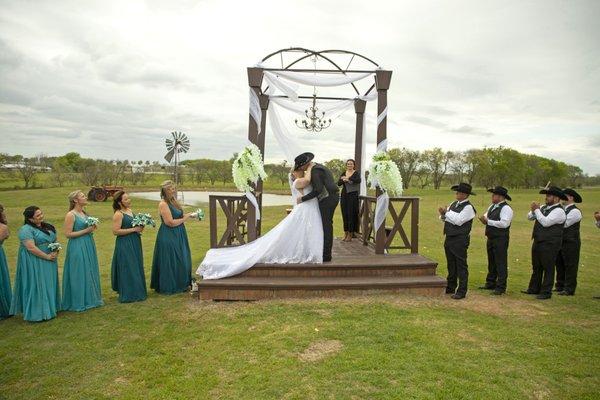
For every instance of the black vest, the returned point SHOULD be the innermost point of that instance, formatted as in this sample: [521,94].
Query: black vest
[464,229]
[492,231]
[571,234]
[552,233]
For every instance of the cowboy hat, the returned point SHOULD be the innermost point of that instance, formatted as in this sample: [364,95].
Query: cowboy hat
[554,191]
[576,196]
[463,188]
[500,190]
[303,159]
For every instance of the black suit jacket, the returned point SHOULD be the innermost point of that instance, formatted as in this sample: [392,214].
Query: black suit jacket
[323,184]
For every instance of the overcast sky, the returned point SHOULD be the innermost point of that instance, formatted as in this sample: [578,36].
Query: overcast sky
[112,79]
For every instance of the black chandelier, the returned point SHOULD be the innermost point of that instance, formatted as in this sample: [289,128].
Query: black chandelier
[315,120]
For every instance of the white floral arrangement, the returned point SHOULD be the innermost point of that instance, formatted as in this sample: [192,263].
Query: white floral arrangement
[199,213]
[92,221]
[55,246]
[143,219]
[384,172]
[247,168]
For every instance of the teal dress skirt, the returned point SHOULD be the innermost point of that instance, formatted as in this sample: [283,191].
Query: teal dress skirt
[5,291]
[127,271]
[172,261]
[81,275]
[36,294]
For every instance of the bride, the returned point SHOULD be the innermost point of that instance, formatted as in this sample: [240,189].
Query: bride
[298,238]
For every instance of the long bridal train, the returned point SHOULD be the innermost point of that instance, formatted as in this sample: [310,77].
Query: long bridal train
[297,239]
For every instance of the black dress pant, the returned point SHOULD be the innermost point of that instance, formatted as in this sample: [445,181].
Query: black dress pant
[327,207]
[497,253]
[349,206]
[543,257]
[456,257]
[567,265]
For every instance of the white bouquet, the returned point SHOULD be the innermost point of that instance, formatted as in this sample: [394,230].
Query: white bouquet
[383,172]
[199,213]
[142,219]
[247,168]
[91,221]
[55,246]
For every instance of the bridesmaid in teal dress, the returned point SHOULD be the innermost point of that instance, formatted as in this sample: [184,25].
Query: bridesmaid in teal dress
[36,293]
[5,291]
[81,276]
[172,261]
[127,272]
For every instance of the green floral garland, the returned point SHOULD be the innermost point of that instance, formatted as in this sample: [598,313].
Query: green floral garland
[247,168]
[384,172]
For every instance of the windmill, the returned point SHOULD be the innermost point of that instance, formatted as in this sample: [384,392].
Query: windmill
[179,143]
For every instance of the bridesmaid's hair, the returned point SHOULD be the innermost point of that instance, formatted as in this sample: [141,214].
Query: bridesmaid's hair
[45,227]
[72,197]
[2,215]
[170,200]
[117,197]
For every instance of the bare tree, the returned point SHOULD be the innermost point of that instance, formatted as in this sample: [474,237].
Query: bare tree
[27,169]
[407,162]
[438,162]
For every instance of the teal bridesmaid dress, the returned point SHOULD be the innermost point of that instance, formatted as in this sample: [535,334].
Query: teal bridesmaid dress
[127,271]
[81,276]
[5,291]
[172,261]
[36,294]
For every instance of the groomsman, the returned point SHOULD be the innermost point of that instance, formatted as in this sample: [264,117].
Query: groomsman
[547,240]
[567,262]
[458,219]
[497,222]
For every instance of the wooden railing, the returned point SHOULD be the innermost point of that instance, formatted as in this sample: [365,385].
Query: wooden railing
[240,220]
[383,240]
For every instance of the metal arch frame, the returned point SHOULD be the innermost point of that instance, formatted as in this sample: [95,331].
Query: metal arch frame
[310,53]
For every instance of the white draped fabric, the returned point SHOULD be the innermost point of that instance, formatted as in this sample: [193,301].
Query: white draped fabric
[316,78]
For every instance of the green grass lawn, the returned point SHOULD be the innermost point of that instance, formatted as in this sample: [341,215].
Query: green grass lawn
[378,347]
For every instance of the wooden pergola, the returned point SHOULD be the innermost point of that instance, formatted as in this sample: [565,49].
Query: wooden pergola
[241,214]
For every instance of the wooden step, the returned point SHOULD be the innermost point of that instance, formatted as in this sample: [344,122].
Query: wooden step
[390,265]
[255,288]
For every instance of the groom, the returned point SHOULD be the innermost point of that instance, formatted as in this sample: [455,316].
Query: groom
[326,191]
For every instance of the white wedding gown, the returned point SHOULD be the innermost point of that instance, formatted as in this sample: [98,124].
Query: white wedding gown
[298,238]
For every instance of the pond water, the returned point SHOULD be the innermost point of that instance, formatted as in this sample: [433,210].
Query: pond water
[195,198]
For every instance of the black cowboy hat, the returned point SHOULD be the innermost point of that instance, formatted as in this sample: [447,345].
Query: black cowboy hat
[576,196]
[554,191]
[463,188]
[501,190]
[303,159]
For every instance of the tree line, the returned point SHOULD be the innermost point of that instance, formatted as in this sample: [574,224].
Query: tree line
[421,169]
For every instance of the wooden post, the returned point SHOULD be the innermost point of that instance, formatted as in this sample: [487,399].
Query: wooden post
[264,105]
[212,210]
[255,77]
[382,81]
[414,227]
[359,108]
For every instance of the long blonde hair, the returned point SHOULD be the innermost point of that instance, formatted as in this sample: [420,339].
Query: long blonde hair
[170,200]
[73,197]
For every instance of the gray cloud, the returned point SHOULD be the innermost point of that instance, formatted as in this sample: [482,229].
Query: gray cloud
[112,79]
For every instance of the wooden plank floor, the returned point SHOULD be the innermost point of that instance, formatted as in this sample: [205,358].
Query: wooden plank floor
[355,269]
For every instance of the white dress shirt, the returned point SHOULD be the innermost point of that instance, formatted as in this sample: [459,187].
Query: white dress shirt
[573,217]
[556,216]
[506,216]
[458,219]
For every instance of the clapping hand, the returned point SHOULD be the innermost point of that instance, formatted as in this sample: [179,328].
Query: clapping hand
[442,211]
[597,215]
[534,206]
[483,219]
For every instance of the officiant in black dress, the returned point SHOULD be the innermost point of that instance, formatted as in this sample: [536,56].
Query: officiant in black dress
[350,183]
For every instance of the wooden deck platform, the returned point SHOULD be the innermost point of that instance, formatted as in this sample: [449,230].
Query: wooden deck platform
[355,269]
